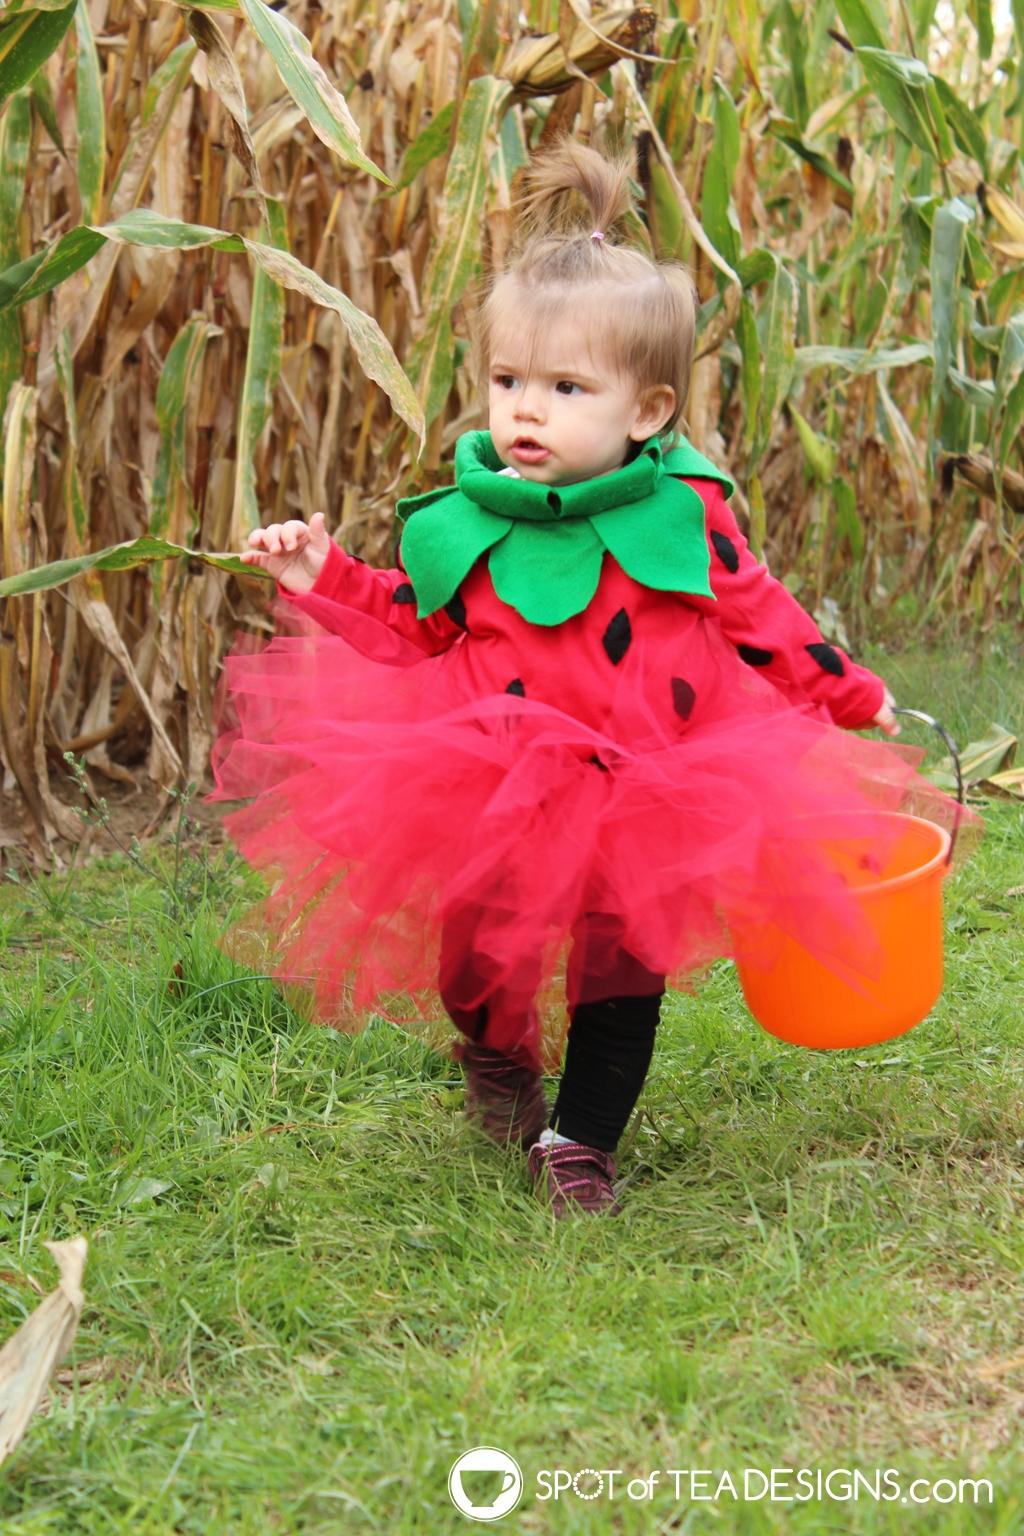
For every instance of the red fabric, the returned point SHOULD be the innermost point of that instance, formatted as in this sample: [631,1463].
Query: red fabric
[751,607]
[635,806]
[756,610]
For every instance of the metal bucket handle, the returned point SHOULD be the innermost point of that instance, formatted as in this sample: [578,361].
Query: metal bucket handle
[951,747]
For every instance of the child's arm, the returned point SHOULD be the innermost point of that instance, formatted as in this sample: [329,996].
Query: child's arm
[305,560]
[773,633]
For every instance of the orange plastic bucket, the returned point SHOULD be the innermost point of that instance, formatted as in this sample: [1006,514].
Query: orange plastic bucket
[797,998]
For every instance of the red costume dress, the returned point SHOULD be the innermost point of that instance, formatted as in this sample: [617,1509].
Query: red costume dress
[470,803]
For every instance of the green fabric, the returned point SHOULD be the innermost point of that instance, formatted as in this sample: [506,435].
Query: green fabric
[547,543]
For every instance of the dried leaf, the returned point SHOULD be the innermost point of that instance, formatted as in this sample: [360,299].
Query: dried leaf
[32,1353]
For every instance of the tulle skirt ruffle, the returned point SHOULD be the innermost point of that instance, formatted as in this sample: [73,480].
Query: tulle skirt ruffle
[495,861]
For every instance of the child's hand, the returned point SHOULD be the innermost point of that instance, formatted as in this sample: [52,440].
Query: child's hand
[293,553]
[885,719]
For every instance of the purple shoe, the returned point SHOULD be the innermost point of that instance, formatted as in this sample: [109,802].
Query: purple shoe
[503,1099]
[574,1177]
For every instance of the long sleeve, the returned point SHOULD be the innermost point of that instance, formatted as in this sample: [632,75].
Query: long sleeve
[348,582]
[772,632]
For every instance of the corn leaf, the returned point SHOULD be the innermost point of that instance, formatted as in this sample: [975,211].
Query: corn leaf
[948,234]
[32,1353]
[1009,402]
[227,82]
[862,28]
[41,92]
[371,346]
[308,85]
[118,557]
[1007,785]
[26,42]
[15,134]
[817,451]
[862,359]
[457,252]
[902,86]
[38,273]
[262,367]
[967,130]
[776,328]
[750,368]
[171,505]
[76,513]
[162,76]
[91,125]
[981,15]
[992,754]
[716,212]
[433,141]
[142,226]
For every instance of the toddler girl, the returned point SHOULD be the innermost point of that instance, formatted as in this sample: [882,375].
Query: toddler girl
[578,726]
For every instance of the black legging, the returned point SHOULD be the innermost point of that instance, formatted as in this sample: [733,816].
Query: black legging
[607,1057]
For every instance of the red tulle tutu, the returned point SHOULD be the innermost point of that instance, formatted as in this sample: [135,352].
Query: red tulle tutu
[498,854]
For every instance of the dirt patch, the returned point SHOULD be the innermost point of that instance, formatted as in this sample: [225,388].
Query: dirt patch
[959,1399]
[139,811]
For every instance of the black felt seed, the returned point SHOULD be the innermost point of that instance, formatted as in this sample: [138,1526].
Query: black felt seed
[683,697]
[593,758]
[516,686]
[827,657]
[404,593]
[617,636]
[455,608]
[726,550]
[754,656]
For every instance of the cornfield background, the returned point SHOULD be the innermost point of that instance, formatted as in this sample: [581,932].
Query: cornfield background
[222,226]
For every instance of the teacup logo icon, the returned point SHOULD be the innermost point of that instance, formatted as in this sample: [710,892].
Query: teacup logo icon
[485,1483]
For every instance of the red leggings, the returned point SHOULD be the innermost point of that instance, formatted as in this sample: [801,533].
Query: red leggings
[611,1038]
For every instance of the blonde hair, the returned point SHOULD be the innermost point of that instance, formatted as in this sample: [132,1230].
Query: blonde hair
[647,329]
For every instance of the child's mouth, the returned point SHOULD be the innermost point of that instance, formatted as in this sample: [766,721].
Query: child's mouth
[528,452]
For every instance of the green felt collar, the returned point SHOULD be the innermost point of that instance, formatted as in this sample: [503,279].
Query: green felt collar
[547,543]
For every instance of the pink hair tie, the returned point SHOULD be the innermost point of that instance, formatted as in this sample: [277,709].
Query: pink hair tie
[597,235]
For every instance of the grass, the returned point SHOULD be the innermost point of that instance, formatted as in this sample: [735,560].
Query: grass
[310,1287]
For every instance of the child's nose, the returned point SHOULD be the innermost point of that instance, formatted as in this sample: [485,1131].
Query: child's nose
[530,402]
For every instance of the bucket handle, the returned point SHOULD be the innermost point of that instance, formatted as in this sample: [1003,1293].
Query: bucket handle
[951,747]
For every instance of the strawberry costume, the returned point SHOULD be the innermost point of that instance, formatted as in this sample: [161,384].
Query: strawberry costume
[565,751]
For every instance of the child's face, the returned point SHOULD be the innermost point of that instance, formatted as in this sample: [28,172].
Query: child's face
[576,411]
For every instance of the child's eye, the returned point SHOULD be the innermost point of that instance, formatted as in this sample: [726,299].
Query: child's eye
[566,387]
[505,380]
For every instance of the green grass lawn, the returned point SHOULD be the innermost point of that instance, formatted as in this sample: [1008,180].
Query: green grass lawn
[310,1286]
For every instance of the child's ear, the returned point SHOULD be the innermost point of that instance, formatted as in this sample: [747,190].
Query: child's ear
[654,407]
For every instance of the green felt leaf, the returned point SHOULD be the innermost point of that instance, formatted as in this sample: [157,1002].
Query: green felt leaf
[437,562]
[647,544]
[522,565]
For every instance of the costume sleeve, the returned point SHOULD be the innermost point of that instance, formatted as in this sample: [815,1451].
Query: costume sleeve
[772,632]
[348,582]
